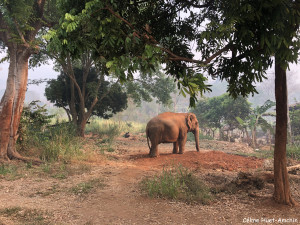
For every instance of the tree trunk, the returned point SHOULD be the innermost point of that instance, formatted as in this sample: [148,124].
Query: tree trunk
[196,134]
[81,127]
[282,192]
[254,137]
[11,105]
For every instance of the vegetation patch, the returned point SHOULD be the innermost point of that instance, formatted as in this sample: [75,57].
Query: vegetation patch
[177,183]
[86,187]
[293,152]
[26,216]
[64,170]
[10,171]
[40,138]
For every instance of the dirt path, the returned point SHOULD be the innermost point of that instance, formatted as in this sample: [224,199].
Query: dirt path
[117,198]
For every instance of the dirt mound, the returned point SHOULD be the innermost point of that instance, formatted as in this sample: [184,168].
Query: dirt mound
[198,160]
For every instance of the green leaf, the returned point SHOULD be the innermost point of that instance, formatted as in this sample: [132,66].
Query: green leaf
[109,64]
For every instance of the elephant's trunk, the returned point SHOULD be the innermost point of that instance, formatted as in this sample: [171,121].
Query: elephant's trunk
[197,139]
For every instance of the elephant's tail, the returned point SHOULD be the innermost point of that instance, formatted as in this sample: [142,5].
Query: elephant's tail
[148,140]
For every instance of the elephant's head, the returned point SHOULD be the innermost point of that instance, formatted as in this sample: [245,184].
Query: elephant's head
[193,126]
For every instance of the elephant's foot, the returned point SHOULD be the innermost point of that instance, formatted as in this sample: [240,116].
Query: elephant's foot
[175,151]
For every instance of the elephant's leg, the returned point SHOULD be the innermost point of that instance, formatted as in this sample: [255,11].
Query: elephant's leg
[154,150]
[175,147]
[182,142]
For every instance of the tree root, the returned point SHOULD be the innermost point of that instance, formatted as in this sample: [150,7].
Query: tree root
[17,156]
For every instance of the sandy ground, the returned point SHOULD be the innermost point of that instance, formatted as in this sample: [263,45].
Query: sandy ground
[117,199]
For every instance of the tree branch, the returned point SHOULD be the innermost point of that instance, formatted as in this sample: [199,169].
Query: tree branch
[173,56]
[21,34]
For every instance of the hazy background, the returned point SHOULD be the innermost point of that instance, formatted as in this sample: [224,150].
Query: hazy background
[265,89]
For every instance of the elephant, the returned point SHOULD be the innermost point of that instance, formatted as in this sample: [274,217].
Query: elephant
[171,127]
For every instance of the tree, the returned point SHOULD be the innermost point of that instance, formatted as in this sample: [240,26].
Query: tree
[232,108]
[111,99]
[237,45]
[255,32]
[20,23]
[256,119]
[220,111]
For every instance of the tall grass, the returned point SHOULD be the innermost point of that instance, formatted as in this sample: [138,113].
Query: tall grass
[177,183]
[113,128]
[54,143]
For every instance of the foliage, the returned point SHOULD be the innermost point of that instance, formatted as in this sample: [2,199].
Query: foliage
[293,151]
[51,142]
[251,32]
[127,37]
[191,137]
[111,97]
[222,110]
[177,183]
[255,119]
[295,119]
[58,143]
[33,120]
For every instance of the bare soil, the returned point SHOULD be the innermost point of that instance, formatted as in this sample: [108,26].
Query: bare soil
[116,198]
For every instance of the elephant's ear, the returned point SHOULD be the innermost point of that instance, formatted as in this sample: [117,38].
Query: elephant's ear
[189,121]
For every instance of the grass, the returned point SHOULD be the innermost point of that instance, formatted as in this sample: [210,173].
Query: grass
[25,216]
[110,128]
[60,143]
[52,144]
[10,171]
[261,154]
[177,183]
[63,170]
[87,187]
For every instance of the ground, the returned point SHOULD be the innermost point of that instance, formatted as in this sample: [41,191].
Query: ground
[105,189]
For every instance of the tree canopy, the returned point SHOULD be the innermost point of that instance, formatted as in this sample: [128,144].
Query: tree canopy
[58,92]
[218,112]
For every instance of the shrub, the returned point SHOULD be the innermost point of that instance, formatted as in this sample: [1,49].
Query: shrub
[177,183]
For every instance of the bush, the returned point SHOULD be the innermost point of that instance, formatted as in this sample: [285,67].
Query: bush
[49,142]
[179,184]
